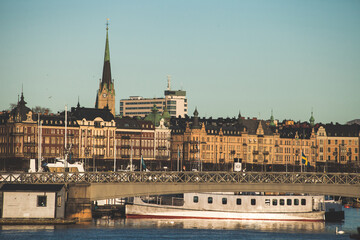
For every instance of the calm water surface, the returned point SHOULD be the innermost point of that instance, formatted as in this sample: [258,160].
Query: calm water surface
[187,229]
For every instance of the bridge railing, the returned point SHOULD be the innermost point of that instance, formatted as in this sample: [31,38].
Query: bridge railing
[182,177]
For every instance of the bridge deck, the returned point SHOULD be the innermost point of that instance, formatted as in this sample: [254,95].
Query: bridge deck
[138,183]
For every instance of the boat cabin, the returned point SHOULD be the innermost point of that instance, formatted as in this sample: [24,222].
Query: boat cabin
[32,201]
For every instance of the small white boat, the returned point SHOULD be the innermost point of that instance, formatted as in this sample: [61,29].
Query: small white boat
[59,166]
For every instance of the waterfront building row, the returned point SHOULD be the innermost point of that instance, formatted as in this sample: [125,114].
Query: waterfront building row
[93,135]
[97,137]
[200,142]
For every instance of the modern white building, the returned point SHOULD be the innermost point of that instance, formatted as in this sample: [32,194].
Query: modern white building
[174,101]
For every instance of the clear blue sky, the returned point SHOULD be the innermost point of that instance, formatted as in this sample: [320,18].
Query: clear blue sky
[230,56]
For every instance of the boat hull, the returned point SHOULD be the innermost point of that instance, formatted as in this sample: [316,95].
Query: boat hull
[170,212]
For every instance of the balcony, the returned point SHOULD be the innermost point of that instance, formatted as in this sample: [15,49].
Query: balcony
[17,133]
[100,146]
[29,144]
[162,148]
[255,152]
[125,146]
[99,136]
[125,156]
[194,150]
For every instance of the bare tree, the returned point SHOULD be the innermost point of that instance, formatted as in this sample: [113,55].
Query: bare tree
[38,109]
[12,106]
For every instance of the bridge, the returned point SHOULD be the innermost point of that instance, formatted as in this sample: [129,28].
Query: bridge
[104,185]
[83,188]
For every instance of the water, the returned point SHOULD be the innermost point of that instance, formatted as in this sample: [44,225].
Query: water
[187,229]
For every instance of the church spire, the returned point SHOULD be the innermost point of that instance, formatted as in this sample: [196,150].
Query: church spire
[106,94]
[106,77]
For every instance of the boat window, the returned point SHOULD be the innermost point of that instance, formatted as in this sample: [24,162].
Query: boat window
[282,202]
[253,201]
[274,202]
[303,201]
[267,202]
[196,199]
[296,201]
[41,201]
[238,201]
[288,202]
[210,200]
[224,201]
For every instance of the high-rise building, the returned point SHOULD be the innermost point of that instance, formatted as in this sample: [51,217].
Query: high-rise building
[174,101]
[106,94]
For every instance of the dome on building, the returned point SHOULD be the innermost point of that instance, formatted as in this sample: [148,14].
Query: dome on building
[154,116]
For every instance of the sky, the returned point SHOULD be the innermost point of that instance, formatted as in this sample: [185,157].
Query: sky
[248,56]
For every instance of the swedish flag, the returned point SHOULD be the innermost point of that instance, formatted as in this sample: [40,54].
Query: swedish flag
[304,159]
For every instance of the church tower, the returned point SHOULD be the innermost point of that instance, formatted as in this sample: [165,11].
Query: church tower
[106,94]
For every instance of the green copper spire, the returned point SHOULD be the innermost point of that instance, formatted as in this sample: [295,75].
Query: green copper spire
[107,51]
[312,120]
[272,123]
[106,77]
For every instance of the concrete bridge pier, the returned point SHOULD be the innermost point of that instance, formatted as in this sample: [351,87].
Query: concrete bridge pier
[78,204]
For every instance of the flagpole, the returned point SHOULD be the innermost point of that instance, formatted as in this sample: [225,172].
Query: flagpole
[115,154]
[131,162]
[141,161]
[178,153]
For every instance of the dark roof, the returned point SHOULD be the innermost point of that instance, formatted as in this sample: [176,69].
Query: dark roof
[4,118]
[32,187]
[58,120]
[339,130]
[303,132]
[229,126]
[91,113]
[20,110]
[127,123]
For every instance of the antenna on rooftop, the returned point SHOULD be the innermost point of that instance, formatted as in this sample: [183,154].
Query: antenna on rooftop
[168,82]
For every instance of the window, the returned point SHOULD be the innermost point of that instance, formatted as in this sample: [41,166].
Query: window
[296,201]
[274,202]
[267,202]
[224,201]
[282,202]
[58,201]
[238,201]
[303,201]
[196,199]
[210,200]
[288,202]
[253,201]
[41,201]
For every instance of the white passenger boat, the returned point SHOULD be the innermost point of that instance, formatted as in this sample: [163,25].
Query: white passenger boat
[60,165]
[230,206]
